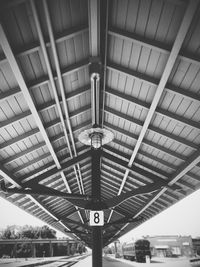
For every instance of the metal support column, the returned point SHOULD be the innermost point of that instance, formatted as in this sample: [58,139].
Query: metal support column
[15,250]
[33,250]
[50,249]
[68,249]
[96,194]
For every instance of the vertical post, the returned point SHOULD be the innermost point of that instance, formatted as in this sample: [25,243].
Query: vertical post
[50,249]
[96,194]
[115,243]
[15,250]
[96,246]
[33,250]
[68,249]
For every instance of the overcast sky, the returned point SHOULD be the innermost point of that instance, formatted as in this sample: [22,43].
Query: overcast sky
[182,218]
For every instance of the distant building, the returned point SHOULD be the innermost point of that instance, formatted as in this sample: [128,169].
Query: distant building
[196,245]
[171,246]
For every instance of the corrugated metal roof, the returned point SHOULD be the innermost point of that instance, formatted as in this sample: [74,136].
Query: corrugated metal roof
[149,99]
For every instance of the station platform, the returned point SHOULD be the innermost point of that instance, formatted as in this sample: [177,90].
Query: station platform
[107,262]
[155,262]
[86,261]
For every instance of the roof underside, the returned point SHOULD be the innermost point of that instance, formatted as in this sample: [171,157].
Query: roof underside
[149,99]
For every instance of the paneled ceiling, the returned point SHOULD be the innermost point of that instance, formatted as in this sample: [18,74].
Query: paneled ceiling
[149,55]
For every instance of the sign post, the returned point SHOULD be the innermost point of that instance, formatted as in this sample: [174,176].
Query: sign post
[96,217]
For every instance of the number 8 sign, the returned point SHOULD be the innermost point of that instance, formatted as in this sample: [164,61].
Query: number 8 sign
[96,218]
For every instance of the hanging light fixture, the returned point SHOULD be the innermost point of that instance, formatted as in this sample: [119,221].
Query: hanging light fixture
[96,137]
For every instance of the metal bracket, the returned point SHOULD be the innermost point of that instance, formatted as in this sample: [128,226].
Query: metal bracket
[43,190]
[95,66]
[123,221]
[85,201]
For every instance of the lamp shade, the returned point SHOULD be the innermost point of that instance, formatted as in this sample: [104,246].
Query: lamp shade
[96,137]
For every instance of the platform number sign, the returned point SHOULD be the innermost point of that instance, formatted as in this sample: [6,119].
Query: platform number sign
[96,218]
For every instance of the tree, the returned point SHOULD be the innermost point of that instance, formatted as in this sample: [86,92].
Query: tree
[10,232]
[25,232]
[46,232]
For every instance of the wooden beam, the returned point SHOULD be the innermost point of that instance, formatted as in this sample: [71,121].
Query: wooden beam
[152,44]
[135,137]
[55,171]
[43,107]
[156,170]
[35,46]
[16,70]
[107,176]
[153,81]
[185,24]
[159,111]
[49,166]
[133,168]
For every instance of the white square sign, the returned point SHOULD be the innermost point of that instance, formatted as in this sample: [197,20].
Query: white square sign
[96,218]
